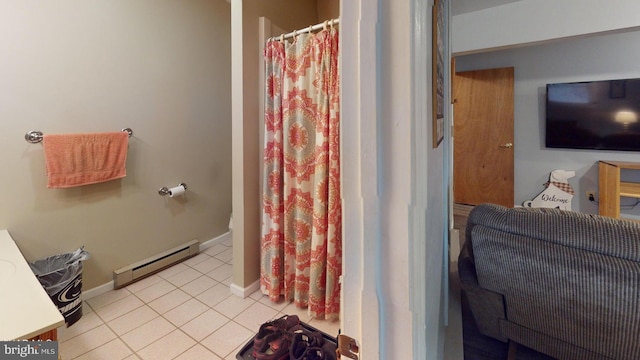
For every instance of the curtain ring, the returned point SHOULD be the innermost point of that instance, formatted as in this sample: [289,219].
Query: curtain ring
[324,26]
[331,23]
[281,37]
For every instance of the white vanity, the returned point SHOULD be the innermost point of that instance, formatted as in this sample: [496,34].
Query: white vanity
[26,311]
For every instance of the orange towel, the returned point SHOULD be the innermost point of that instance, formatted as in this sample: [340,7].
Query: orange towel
[82,159]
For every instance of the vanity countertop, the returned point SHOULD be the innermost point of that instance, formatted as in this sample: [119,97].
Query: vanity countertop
[26,310]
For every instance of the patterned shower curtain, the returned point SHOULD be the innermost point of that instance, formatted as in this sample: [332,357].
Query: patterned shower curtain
[301,245]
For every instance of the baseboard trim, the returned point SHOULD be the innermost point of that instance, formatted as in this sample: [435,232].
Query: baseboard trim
[216,240]
[238,290]
[98,290]
[101,289]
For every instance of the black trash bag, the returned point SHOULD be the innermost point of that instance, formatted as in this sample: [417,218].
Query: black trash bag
[61,277]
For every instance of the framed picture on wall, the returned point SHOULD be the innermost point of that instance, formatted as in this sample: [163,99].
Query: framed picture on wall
[438,51]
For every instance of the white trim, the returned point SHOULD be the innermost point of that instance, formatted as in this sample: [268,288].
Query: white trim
[244,292]
[98,290]
[361,309]
[421,114]
[216,240]
[104,288]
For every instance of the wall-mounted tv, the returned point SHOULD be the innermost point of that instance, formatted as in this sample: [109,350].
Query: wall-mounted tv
[600,115]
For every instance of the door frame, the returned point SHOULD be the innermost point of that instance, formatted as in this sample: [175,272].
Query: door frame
[358,88]
[363,289]
[363,294]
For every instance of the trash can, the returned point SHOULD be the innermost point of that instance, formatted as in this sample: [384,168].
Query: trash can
[61,277]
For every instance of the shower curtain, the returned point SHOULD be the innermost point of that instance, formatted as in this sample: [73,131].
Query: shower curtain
[301,245]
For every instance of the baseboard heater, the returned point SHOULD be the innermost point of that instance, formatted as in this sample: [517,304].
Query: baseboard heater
[137,271]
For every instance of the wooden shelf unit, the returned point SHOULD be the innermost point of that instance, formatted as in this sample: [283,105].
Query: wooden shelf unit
[49,335]
[611,188]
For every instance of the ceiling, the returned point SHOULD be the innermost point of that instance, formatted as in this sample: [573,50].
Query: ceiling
[466,6]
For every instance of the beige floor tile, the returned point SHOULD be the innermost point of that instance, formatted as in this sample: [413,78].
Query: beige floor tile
[214,295]
[113,350]
[196,259]
[107,298]
[169,301]
[226,339]
[159,318]
[233,305]
[221,273]
[132,320]
[175,269]
[256,295]
[216,249]
[87,322]
[148,333]
[198,352]
[143,284]
[199,285]
[226,255]
[280,305]
[204,325]
[327,326]
[86,342]
[156,290]
[86,308]
[186,312]
[119,308]
[184,277]
[208,265]
[292,309]
[168,347]
[232,355]
[255,315]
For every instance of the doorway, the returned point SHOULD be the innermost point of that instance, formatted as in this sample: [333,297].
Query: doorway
[301,227]
[483,146]
[483,137]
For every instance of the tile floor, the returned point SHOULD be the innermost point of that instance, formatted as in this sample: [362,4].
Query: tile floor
[185,312]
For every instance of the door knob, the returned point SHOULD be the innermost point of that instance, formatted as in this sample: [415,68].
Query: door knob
[507,145]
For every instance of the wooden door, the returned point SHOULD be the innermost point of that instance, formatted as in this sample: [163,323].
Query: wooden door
[483,137]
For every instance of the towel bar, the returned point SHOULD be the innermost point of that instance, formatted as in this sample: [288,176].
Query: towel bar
[35,136]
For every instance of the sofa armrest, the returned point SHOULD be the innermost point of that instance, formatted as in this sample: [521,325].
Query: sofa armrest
[486,306]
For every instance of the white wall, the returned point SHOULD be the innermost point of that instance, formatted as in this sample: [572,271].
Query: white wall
[428,199]
[612,56]
[534,21]
[160,67]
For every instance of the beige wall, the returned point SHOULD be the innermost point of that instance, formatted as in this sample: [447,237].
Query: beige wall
[289,15]
[160,67]
[328,9]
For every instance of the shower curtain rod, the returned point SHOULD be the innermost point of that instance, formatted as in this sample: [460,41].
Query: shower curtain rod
[307,29]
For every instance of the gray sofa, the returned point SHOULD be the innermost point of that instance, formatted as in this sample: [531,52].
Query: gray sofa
[564,283]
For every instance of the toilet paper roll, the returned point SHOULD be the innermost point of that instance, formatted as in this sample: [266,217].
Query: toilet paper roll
[176,191]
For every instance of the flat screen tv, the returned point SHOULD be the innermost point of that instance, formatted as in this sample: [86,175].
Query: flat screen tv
[600,115]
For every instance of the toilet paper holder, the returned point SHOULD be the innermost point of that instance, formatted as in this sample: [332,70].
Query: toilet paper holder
[166,191]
